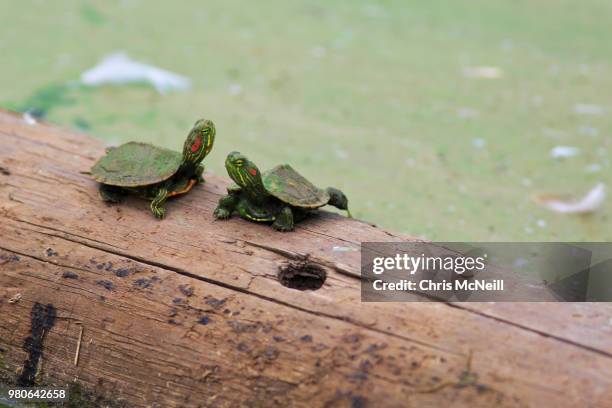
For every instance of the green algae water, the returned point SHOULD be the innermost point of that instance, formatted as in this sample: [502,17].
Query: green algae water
[438,119]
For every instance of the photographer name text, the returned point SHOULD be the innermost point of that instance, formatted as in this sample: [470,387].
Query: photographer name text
[429,285]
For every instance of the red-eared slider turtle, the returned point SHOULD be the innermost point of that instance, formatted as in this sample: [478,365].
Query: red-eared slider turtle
[152,172]
[281,196]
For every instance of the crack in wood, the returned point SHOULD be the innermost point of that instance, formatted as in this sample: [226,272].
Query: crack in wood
[532,330]
[300,257]
[192,275]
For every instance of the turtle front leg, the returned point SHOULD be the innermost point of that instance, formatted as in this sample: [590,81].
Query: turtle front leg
[199,172]
[111,194]
[284,220]
[157,205]
[226,206]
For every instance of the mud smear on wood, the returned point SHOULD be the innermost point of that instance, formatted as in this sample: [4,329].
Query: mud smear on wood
[123,272]
[347,398]
[43,318]
[108,285]
[204,320]
[145,283]
[214,302]
[186,290]
[70,275]
[8,258]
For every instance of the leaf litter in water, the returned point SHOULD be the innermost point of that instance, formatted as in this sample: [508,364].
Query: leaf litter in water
[559,152]
[483,72]
[588,109]
[120,69]
[572,205]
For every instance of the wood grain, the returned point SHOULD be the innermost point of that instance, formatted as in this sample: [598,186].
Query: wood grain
[189,312]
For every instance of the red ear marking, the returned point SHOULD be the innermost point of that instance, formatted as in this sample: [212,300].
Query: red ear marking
[253,172]
[196,145]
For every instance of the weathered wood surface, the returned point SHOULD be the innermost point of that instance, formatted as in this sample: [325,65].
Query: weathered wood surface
[189,311]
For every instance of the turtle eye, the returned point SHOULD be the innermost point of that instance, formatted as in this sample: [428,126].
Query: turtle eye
[239,163]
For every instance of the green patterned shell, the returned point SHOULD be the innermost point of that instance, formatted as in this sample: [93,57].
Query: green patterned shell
[289,186]
[136,164]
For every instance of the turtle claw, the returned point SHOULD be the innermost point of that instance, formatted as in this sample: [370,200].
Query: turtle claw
[282,228]
[222,214]
[159,213]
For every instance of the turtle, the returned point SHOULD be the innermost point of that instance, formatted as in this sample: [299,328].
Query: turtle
[281,195]
[152,172]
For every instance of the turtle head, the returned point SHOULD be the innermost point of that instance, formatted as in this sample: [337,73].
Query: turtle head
[338,199]
[243,171]
[199,142]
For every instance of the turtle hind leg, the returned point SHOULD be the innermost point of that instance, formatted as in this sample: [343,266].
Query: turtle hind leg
[111,194]
[157,205]
[284,220]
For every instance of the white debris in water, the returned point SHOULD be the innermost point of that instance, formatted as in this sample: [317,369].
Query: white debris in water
[553,69]
[340,153]
[234,89]
[467,113]
[343,249]
[559,152]
[584,69]
[589,131]
[507,45]
[410,162]
[537,101]
[375,11]
[553,133]
[593,168]
[29,119]
[343,40]
[318,51]
[526,182]
[479,143]
[541,223]
[120,69]
[587,204]
[483,72]
[588,109]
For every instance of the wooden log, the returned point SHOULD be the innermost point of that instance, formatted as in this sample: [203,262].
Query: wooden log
[190,312]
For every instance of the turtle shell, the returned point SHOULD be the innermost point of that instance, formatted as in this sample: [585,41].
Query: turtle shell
[136,164]
[289,186]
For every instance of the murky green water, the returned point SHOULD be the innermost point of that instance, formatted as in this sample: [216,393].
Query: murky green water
[372,97]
